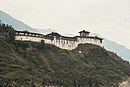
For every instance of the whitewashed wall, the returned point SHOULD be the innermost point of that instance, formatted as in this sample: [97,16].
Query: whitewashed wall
[28,38]
[63,44]
[89,40]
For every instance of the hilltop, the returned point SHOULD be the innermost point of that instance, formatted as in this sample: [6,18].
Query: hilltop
[36,63]
[18,25]
[26,62]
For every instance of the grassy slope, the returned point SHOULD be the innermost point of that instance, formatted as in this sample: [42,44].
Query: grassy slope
[26,63]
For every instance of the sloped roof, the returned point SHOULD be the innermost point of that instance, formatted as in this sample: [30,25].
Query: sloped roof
[28,32]
[84,31]
[54,34]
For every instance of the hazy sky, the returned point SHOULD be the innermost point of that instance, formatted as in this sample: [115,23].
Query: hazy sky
[109,18]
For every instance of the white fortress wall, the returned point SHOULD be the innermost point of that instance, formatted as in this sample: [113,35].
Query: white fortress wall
[28,38]
[49,41]
[62,42]
[83,40]
[95,41]
[89,40]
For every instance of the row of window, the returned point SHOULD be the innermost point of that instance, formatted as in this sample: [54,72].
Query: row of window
[27,34]
[65,42]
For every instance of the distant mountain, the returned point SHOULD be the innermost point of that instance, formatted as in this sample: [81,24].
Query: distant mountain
[110,45]
[18,25]
[121,50]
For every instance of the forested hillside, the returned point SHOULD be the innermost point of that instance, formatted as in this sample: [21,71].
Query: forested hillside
[31,64]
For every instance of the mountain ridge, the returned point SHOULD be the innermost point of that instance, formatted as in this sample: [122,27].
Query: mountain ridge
[121,50]
[12,21]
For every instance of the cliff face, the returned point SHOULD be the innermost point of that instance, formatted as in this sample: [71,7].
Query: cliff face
[33,64]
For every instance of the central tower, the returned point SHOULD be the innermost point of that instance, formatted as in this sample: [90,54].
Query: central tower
[84,33]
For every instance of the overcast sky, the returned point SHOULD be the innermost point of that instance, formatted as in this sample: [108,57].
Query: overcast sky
[109,18]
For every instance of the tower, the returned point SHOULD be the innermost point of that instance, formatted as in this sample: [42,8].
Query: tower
[84,33]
